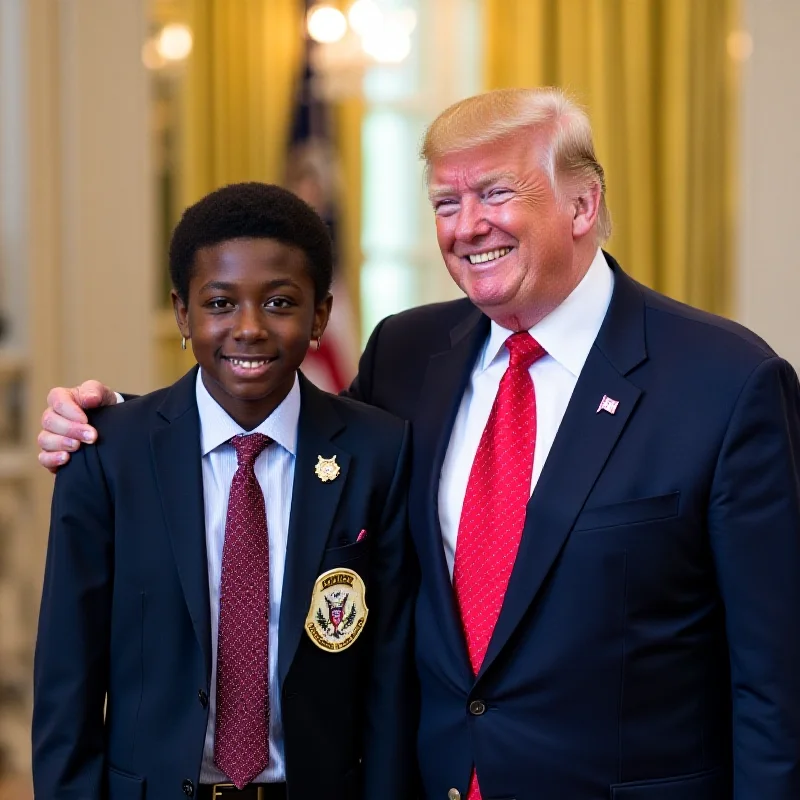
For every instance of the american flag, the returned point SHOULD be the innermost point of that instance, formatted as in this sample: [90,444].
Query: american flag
[607,404]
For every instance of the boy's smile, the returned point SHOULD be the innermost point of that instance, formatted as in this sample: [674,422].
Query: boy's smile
[250,317]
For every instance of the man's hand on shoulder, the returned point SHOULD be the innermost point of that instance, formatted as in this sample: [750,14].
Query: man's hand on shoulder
[64,425]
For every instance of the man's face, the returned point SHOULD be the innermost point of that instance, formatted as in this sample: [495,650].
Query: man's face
[506,239]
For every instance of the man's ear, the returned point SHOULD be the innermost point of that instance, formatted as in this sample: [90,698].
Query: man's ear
[586,207]
[181,314]
[322,313]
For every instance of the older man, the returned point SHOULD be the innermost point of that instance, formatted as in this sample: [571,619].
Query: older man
[605,495]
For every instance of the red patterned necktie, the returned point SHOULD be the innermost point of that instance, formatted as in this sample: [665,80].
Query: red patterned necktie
[241,736]
[493,515]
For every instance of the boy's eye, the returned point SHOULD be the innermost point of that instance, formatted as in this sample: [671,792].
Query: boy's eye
[219,303]
[278,302]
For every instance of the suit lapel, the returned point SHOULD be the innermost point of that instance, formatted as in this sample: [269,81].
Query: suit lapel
[445,381]
[175,444]
[581,448]
[314,505]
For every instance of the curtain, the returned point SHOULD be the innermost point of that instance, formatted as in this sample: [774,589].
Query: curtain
[240,82]
[660,89]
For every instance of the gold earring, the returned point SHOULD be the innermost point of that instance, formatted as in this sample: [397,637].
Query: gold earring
[183,342]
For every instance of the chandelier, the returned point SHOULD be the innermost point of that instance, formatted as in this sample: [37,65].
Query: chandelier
[347,45]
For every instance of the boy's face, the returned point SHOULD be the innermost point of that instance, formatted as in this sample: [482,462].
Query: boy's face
[250,318]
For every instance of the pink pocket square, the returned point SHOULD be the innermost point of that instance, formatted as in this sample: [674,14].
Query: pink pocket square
[362,535]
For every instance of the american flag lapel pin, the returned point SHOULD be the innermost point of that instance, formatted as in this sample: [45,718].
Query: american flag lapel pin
[607,404]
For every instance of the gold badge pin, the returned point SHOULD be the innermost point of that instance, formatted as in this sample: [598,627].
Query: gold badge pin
[338,610]
[327,469]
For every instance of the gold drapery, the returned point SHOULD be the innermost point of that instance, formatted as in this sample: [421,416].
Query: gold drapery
[660,90]
[240,86]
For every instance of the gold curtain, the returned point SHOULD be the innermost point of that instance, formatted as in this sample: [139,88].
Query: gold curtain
[660,89]
[240,85]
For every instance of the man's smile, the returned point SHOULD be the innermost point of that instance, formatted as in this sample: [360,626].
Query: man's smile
[489,255]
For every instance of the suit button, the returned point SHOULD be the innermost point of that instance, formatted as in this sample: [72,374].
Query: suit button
[454,794]
[203,698]
[188,788]
[477,707]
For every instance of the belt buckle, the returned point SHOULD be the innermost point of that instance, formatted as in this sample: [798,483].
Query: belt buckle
[220,790]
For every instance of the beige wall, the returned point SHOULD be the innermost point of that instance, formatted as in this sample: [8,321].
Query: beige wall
[76,249]
[768,286]
[89,190]
[101,177]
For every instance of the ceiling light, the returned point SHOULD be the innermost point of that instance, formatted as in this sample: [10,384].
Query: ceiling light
[174,43]
[326,24]
[364,16]
[387,46]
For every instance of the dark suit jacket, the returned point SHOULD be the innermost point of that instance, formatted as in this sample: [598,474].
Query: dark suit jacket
[649,644]
[125,609]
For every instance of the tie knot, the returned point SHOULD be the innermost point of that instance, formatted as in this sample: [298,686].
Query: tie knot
[523,350]
[249,446]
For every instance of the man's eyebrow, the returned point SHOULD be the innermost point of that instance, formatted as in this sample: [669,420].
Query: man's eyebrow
[490,178]
[439,192]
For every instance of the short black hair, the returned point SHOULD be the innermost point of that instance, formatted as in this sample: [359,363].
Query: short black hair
[251,210]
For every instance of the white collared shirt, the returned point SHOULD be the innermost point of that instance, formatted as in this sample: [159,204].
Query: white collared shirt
[274,469]
[567,334]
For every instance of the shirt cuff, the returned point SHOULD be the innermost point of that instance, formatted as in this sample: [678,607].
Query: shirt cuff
[120,398]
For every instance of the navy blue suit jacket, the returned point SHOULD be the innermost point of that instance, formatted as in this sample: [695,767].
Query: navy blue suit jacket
[125,610]
[649,644]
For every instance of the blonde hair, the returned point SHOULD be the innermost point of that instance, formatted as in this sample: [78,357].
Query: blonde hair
[491,116]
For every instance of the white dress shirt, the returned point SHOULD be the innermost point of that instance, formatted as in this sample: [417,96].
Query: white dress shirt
[274,469]
[567,334]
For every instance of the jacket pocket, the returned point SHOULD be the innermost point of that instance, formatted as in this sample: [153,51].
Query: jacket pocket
[707,785]
[631,512]
[339,556]
[123,785]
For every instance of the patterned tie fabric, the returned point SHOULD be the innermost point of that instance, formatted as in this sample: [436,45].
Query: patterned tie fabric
[241,736]
[493,515]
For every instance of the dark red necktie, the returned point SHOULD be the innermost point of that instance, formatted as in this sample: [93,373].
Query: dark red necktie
[241,736]
[493,515]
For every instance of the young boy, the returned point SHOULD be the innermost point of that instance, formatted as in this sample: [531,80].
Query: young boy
[226,609]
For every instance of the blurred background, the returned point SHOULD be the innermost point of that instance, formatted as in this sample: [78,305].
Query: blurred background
[115,115]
